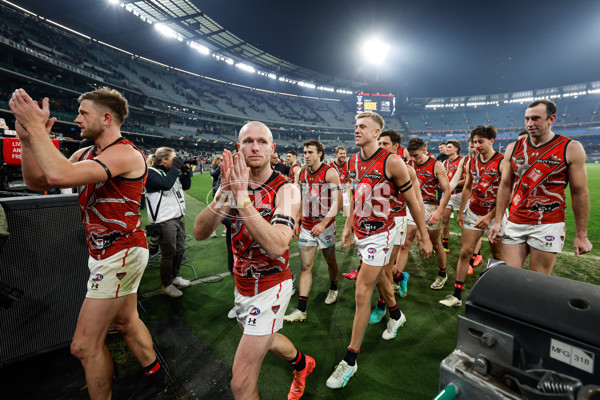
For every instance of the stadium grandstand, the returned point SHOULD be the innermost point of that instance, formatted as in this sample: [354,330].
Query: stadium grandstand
[202,114]
[199,114]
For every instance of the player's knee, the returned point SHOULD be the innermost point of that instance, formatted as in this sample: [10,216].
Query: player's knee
[306,267]
[81,348]
[121,326]
[465,254]
[361,295]
[240,384]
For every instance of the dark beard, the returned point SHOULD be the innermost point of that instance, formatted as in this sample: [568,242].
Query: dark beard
[91,133]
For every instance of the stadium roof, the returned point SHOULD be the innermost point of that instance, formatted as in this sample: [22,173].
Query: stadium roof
[187,20]
[438,48]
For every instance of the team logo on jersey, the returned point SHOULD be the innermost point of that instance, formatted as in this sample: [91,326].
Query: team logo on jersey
[551,162]
[255,311]
[352,174]
[386,249]
[537,207]
[275,309]
[549,238]
[519,161]
[372,250]
[98,278]
[121,275]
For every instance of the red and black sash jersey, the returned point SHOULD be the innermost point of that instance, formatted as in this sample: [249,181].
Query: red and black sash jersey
[253,270]
[291,174]
[485,182]
[316,196]
[427,179]
[467,163]
[374,194]
[398,204]
[541,175]
[110,210]
[400,152]
[342,170]
[451,168]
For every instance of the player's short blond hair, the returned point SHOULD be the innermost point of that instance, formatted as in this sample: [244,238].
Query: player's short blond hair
[374,116]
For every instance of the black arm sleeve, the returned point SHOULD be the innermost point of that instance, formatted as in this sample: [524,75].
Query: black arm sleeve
[156,181]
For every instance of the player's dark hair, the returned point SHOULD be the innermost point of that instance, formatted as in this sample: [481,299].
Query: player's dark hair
[318,145]
[550,106]
[485,131]
[416,144]
[394,136]
[454,143]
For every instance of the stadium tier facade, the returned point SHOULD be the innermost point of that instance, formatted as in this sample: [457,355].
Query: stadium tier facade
[169,106]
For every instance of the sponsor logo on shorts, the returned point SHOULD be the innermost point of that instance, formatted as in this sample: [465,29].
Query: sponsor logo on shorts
[275,309]
[94,286]
[549,238]
[251,321]
[255,311]
[121,275]
[372,250]
[328,237]
[98,278]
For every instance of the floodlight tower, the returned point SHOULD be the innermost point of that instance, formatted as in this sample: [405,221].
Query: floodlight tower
[375,52]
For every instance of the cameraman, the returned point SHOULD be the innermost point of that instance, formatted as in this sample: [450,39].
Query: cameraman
[168,177]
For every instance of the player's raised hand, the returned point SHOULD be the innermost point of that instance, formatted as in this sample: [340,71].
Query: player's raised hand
[28,112]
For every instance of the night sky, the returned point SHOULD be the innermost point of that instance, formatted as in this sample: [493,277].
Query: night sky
[438,48]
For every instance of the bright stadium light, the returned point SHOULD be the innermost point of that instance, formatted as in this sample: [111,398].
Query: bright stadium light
[375,51]
[165,30]
[113,1]
[199,48]
[246,67]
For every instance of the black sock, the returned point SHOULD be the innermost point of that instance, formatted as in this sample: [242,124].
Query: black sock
[458,288]
[381,304]
[395,312]
[299,362]
[472,260]
[302,303]
[445,243]
[442,272]
[333,286]
[155,372]
[398,277]
[350,356]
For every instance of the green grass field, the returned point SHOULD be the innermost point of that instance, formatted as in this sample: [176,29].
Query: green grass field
[405,368]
